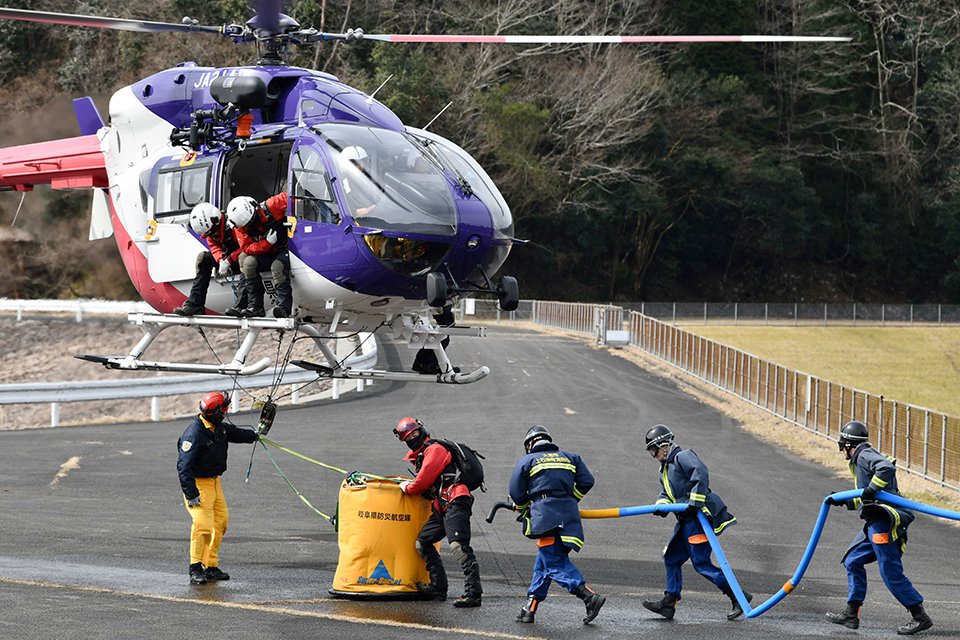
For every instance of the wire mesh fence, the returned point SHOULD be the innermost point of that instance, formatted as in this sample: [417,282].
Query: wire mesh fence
[924,442]
[797,313]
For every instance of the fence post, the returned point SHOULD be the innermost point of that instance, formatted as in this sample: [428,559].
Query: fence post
[943,451]
[796,314]
[766,313]
[674,313]
[908,434]
[79,314]
[824,314]
[294,394]
[54,414]
[893,440]
[336,389]
[880,427]
[911,315]
[939,317]
[704,313]
[926,439]
[155,409]
[826,419]
[736,307]
[854,314]
[883,315]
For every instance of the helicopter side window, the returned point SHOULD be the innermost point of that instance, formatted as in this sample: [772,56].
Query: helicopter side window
[180,188]
[312,192]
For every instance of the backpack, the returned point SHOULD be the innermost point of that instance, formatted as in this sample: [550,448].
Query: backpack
[467,462]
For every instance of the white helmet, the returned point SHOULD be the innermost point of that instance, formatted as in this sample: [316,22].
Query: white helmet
[240,211]
[205,217]
[354,153]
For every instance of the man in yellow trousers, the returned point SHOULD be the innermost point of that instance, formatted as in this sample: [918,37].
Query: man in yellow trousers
[202,460]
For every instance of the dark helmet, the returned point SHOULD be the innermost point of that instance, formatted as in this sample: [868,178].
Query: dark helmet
[535,434]
[852,434]
[658,435]
[411,431]
[214,405]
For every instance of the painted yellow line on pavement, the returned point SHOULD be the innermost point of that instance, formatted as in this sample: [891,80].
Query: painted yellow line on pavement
[267,609]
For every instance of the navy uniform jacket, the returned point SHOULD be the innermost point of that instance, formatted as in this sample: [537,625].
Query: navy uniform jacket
[547,485]
[870,467]
[684,478]
[203,453]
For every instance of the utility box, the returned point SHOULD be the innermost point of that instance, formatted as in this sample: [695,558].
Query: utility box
[377,527]
[615,338]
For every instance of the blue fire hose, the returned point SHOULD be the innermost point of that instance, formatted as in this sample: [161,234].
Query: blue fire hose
[791,584]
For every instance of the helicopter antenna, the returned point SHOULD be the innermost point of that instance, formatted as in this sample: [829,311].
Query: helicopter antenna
[437,116]
[382,84]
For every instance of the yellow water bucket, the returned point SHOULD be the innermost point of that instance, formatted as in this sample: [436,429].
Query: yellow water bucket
[377,529]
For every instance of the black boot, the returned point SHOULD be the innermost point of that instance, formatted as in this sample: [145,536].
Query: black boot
[284,300]
[591,599]
[188,308]
[528,611]
[254,289]
[437,588]
[215,573]
[849,617]
[737,610]
[197,574]
[666,607]
[920,622]
[472,590]
[239,299]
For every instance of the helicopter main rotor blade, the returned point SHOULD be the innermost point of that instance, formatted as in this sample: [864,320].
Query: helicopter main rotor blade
[533,39]
[100,22]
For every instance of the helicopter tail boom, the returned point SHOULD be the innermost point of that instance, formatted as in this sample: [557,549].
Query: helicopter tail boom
[69,163]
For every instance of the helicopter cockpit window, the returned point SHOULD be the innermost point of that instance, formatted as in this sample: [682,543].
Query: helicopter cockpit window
[180,188]
[388,182]
[312,193]
[463,165]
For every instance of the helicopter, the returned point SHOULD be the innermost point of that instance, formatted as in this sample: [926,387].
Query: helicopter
[440,230]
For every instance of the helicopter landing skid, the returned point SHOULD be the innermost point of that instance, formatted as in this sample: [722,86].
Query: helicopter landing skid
[153,323]
[451,377]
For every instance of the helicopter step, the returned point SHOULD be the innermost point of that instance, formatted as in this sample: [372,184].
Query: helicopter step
[152,324]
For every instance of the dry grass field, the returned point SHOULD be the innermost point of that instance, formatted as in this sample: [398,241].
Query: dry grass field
[915,365]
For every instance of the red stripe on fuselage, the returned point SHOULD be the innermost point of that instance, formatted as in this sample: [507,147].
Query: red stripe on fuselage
[163,297]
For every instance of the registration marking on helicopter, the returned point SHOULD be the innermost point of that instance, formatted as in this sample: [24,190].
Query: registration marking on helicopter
[270,609]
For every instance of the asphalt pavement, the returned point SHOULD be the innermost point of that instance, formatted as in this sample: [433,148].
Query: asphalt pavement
[95,537]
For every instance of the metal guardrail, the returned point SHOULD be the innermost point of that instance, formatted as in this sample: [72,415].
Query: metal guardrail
[797,313]
[154,388]
[77,307]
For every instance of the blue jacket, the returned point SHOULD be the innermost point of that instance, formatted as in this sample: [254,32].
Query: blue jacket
[870,467]
[684,478]
[547,485]
[203,453]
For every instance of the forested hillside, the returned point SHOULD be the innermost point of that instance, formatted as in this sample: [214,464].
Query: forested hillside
[781,172]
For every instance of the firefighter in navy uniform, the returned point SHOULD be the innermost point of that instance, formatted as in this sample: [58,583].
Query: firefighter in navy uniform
[223,256]
[884,535]
[684,478]
[452,507]
[546,486]
[202,460]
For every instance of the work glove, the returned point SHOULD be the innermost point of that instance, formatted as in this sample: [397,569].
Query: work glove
[833,502]
[404,485]
[660,512]
[272,236]
[692,510]
[193,502]
[224,269]
[869,494]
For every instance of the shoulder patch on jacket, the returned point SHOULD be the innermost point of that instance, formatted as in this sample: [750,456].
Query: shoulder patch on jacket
[186,445]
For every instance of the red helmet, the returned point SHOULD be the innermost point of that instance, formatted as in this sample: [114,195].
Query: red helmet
[214,405]
[407,428]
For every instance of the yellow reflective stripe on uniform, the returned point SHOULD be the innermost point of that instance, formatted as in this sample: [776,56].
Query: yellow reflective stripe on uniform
[896,521]
[577,493]
[663,501]
[725,524]
[537,468]
[577,542]
[666,485]
[877,481]
[698,497]
[521,507]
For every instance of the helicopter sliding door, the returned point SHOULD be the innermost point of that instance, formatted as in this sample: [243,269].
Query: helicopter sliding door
[180,184]
[258,171]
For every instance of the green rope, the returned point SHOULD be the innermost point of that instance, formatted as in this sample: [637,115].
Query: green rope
[350,474]
[290,484]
